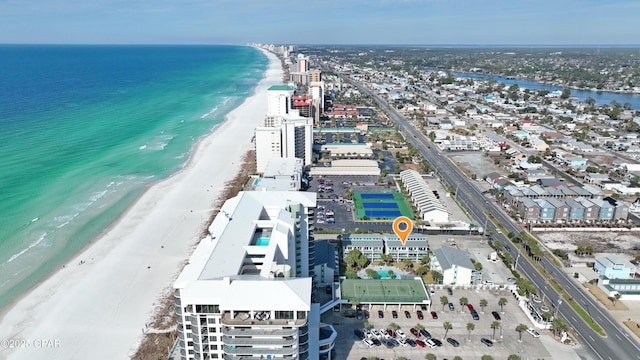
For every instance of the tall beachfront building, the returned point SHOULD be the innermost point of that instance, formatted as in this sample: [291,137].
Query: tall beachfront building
[246,292]
[285,133]
[279,100]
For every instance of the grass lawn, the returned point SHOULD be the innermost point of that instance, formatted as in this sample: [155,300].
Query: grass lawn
[604,299]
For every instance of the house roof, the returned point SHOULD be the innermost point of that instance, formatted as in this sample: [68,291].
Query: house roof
[448,257]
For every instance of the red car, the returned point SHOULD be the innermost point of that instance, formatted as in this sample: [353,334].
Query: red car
[420,343]
[420,316]
[470,307]
[434,315]
[414,332]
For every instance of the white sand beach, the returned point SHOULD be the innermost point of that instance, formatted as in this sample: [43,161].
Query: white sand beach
[98,309]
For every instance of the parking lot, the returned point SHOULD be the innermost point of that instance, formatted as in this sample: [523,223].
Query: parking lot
[506,338]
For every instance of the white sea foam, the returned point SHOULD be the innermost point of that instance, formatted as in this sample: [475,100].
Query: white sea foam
[158,143]
[31,246]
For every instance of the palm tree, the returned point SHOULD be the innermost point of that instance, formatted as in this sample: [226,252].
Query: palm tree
[394,326]
[447,326]
[486,357]
[520,328]
[514,357]
[470,328]
[419,327]
[463,302]
[457,358]
[444,301]
[502,302]
[430,356]
[558,326]
[617,297]
[483,304]
[495,325]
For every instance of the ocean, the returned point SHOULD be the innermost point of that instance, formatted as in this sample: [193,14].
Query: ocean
[85,129]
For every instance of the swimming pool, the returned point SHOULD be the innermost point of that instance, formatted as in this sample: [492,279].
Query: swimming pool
[263,241]
[384,274]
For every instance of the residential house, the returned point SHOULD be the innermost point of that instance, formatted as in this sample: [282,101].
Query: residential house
[614,267]
[547,210]
[455,266]
[591,210]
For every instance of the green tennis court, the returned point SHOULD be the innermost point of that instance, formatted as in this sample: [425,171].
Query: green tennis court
[380,205]
[381,291]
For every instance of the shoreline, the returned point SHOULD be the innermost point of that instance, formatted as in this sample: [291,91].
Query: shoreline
[112,287]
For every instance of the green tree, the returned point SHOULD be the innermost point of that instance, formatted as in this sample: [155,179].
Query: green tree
[483,304]
[502,302]
[401,358]
[408,263]
[495,325]
[444,301]
[419,326]
[463,302]
[617,297]
[457,358]
[514,357]
[486,357]
[470,328]
[372,274]
[447,326]
[393,326]
[521,328]
[437,277]
[390,273]
[352,257]
[430,356]
[386,258]
[558,326]
[565,93]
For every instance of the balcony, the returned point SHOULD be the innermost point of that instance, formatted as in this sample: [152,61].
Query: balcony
[260,351]
[244,357]
[259,332]
[239,321]
[253,341]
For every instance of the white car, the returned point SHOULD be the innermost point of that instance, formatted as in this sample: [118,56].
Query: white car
[533,332]
[401,334]
[403,342]
[368,342]
[431,344]
[375,333]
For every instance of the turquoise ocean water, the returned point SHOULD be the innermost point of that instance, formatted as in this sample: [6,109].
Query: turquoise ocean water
[83,130]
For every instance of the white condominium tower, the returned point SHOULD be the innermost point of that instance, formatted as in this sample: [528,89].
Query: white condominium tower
[246,292]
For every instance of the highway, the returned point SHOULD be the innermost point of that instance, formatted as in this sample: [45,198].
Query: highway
[618,345]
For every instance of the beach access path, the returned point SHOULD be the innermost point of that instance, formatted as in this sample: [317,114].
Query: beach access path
[96,307]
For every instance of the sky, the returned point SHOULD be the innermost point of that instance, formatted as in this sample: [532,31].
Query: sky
[401,22]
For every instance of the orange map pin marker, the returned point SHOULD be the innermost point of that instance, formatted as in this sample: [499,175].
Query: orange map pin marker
[402,233]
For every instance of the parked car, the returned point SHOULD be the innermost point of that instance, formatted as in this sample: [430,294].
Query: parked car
[420,343]
[437,342]
[474,315]
[394,314]
[533,332]
[407,314]
[414,332]
[430,343]
[496,315]
[423,307]
[451,307]
[487,342]
[411,342]
[359,334]
[449,291]
[470,307]
[376,341]
[420,316]
[434,315]
[368,342]
[453,342]
[425,333]
[380,314]
[400,334]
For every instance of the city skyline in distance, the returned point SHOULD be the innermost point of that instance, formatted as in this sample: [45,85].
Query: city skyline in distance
[402,22]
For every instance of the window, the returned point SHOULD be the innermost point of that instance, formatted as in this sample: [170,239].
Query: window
[302,315]
[284,315]
[213,338]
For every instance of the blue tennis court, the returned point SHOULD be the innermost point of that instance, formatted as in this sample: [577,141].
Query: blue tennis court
[382,213]
[376,196]
[380,205]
